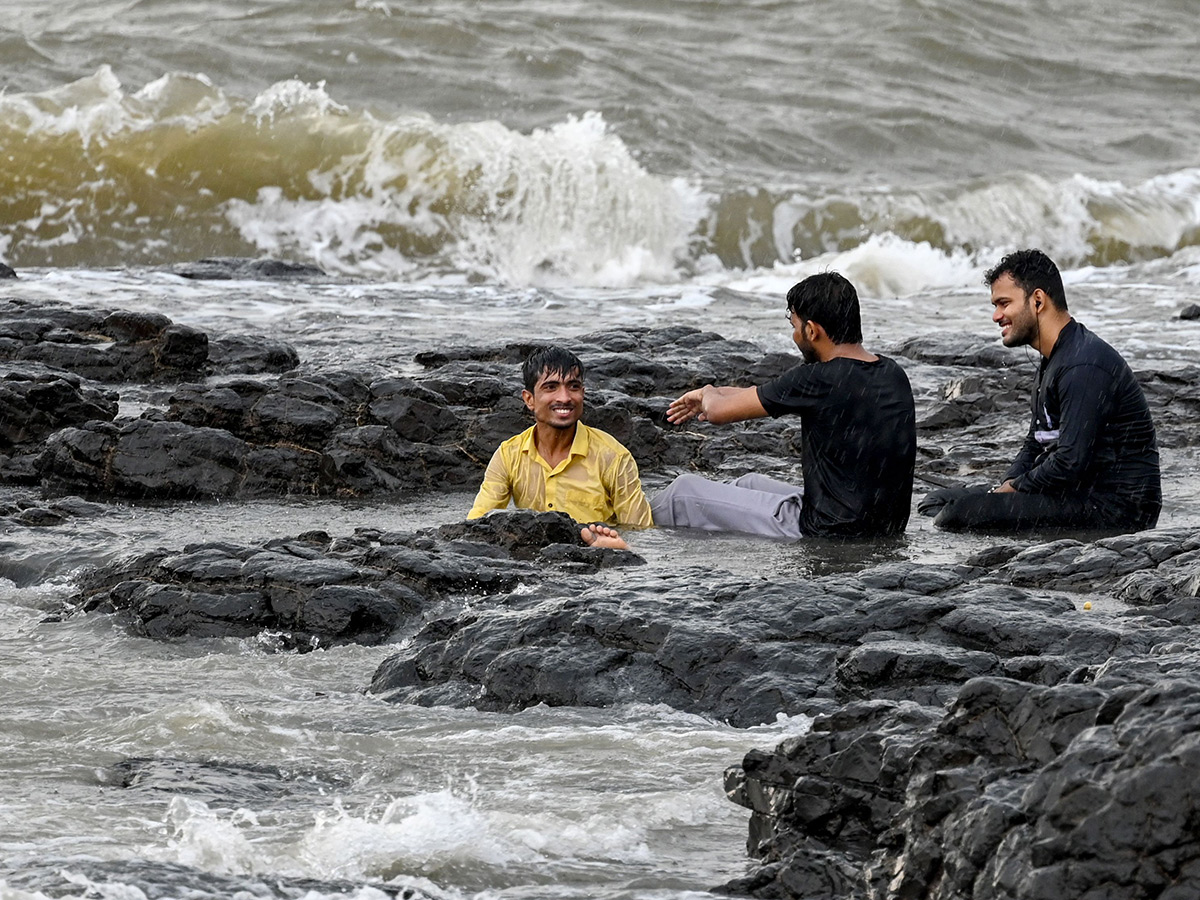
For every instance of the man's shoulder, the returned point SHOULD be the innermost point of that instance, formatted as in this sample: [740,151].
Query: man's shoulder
[600,443]
[516,443]
[1084,348]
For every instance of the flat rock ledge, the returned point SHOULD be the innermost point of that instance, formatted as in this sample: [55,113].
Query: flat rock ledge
[123,346]
[315,591]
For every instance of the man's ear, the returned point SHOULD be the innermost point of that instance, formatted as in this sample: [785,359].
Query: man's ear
[817,332]
[527,396]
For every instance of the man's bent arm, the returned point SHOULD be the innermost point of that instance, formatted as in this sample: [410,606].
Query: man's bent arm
[1086,398]
[496,489]
[1025,459]
[630,506]
[718,405]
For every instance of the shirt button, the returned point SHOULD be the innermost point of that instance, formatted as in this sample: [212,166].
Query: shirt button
[550,505]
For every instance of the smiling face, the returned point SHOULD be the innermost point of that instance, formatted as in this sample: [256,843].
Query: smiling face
[1014,312]
[556,399]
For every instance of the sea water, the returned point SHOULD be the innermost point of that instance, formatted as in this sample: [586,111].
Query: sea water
[468,173]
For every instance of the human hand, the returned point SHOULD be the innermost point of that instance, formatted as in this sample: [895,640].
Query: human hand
[1006,488]
[689,406]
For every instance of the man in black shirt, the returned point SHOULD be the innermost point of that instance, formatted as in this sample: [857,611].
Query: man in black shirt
[858,434]
[1090,459]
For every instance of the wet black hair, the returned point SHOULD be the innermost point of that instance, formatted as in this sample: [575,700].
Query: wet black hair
[552,360]
[1031,269]
[831,301]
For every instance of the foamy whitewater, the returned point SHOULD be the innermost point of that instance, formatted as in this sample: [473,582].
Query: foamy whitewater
[473,173]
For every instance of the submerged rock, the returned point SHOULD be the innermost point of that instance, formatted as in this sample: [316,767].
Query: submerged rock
[230,784]
[41,514]
[226,268]
[61,877]
[7,271]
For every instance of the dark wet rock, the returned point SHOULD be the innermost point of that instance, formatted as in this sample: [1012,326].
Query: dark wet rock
[60,877]
[639,362]
[965,349]
[1017,790]
[34,403]
[1142,567]
[1057,769]
[242,438]
[320,433]
[102,345]
[329,432]
[144,459]
[226,268]
[313,591]
[114,346]
[251,354]
[733,649]
[215,781]
[7,271]
[1191,311]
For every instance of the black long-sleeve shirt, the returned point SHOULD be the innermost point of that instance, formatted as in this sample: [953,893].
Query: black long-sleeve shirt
[1091,433]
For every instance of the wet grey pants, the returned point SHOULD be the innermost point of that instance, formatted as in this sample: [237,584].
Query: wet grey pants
[753,504]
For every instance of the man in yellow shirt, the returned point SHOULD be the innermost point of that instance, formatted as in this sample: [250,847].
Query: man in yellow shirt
[559,463]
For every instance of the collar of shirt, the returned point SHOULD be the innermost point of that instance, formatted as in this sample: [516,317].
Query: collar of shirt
[579,447]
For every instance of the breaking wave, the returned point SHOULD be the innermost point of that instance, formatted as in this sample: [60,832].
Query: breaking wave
[98,176]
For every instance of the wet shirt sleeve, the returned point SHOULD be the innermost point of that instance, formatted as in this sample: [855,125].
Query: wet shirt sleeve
[797,390]
[496,489]
[629,503]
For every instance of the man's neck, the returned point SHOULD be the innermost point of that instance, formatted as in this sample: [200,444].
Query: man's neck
[845,351]
[1048,334]
[553,444]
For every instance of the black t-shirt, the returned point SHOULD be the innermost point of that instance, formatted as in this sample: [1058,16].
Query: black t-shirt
[1090,431]
[858,444]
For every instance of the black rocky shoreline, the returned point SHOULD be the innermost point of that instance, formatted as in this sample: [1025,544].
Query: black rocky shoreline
[978,733]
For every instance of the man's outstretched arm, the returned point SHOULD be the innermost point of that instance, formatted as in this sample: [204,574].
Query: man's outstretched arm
[718,405]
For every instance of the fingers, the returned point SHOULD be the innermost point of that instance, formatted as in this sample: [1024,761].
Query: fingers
[687,407]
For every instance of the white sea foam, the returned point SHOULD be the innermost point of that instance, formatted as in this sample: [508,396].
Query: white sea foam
[882,266]
[214,842]
[294,97]
[412,834]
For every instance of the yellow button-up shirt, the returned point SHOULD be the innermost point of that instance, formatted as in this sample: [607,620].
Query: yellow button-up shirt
[597,482]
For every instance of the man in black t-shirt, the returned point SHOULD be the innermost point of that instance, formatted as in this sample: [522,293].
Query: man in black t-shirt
[1090,459]
[858,434]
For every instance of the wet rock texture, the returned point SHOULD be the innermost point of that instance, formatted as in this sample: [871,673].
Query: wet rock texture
[1065,771]
[61,877]
[350,433]
[315,591]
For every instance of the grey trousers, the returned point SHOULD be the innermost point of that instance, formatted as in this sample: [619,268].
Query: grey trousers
[753,504]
